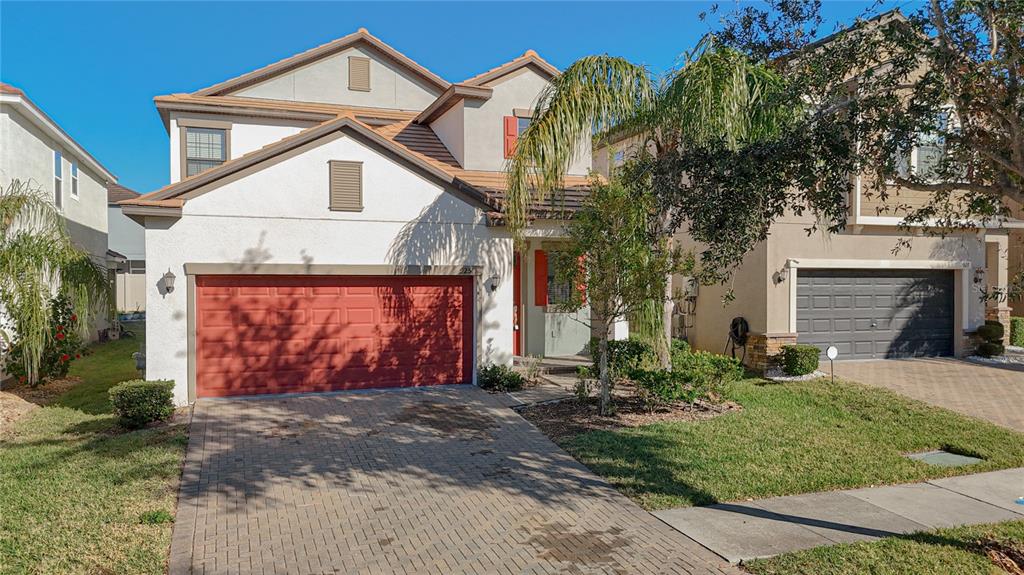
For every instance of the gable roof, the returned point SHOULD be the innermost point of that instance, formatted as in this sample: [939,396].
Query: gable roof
[362,36]
[453,95]
[117,193]
[529,58]
[413,143]
[17,98]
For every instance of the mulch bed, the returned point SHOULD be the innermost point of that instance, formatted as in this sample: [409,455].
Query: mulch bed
[570,417]
[18,399]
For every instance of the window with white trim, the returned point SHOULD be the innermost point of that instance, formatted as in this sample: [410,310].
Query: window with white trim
[74,179]
[205,148]
[58,187]
[924,159]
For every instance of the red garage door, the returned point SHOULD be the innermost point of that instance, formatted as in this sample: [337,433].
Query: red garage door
[281,334]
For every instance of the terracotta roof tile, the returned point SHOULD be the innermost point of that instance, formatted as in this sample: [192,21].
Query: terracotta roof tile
[117,193]
[9,89]
[528,57]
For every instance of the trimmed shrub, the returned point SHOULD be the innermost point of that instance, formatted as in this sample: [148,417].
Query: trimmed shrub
[990,349]
[499,378]
[624,356]
[708,368]
[139,402]
[695,375]
[1017,331]
[992,331]
[799,359]
[657,387]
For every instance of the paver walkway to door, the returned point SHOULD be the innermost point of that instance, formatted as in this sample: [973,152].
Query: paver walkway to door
[749,530]
[439,480]
[982,391]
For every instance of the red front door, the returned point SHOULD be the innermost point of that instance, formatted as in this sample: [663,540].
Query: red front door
[278,334]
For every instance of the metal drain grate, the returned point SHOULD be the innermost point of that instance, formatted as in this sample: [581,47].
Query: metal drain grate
[944,458]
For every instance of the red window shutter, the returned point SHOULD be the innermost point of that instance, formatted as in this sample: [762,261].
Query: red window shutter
[511,134]
[582,287]
[540,277]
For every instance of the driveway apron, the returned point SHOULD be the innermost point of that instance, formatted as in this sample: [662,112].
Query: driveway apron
[437,480]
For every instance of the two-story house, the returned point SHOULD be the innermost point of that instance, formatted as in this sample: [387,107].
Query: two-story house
[854,290]
[37,152]
[334,221]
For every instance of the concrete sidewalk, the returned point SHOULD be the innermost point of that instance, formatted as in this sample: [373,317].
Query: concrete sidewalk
[749,530]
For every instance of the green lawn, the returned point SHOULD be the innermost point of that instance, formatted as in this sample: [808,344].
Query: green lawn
[74,486]
[790,438]
[933,553]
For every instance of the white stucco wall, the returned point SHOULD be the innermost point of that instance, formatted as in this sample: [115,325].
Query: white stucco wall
[26,154]
[451,129]
[279,216]
[484,133]
[125,235]
[326,80]
[247,134]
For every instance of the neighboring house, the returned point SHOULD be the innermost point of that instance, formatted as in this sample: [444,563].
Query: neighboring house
[850,289]
[35,150]
[127,239]
[334,221]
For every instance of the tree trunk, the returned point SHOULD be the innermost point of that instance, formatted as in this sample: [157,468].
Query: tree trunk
[602,368]
[665,350]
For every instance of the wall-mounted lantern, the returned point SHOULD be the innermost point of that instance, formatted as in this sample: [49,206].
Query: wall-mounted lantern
[494,282]
[781,275]
[979,275]
[168,281]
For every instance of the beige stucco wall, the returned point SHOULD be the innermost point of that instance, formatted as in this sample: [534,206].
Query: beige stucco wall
[326,80]
[707,328]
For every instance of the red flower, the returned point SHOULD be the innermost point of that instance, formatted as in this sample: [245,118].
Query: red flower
[65,357]
[22,379]
[60,336]
[78,356]
[74,317]
[60,328]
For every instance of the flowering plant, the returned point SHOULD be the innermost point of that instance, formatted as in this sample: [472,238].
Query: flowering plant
[63,346]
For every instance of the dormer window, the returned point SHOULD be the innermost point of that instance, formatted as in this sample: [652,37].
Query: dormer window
[514,128]
[205,144]
[205,148]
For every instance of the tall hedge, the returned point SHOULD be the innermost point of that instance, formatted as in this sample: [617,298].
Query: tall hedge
[1017,331]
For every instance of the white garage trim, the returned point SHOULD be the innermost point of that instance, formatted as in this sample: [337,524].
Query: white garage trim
[794,264]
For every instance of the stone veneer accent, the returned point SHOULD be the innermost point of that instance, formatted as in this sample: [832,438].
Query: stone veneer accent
[1002,315]
[763,349]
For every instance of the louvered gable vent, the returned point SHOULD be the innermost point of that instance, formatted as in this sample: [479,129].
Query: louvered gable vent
[359,73]
[346,185]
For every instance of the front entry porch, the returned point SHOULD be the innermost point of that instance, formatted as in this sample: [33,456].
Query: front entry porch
[541,329]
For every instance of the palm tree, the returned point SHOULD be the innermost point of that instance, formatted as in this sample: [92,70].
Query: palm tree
[37,260]
[716,96]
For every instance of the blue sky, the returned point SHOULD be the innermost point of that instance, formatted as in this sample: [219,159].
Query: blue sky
[95,67]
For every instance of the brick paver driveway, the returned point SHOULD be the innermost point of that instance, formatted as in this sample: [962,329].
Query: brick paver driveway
[441,480]
[986,392]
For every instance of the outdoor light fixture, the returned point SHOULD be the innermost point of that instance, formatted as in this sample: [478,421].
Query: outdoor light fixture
[495,281]
[979,275]
[168,281]
[781,275]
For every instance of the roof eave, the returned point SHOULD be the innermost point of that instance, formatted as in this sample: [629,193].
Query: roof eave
[453,95]
[42,120]
[303,58]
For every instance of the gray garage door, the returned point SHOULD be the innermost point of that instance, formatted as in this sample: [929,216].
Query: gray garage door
[876,313]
